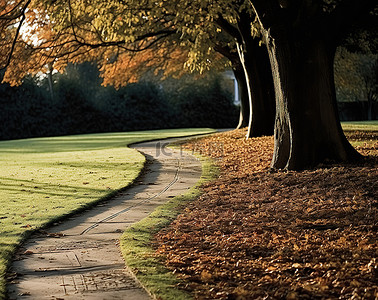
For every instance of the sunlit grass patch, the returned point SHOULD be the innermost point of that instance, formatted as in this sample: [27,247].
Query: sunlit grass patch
[360,125]
[44,179]
[362,135]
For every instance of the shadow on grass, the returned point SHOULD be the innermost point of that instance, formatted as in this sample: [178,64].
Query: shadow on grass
[23,185]
[90,141]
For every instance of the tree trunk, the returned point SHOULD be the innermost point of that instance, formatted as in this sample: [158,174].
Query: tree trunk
[258,71]
[258,89]
[307,126]
[370,107]
[262,89]
[243,96]
[254,78]
[256,82]
[241,51]
[50,80]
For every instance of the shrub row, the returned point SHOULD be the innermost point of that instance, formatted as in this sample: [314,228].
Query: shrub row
[81,105]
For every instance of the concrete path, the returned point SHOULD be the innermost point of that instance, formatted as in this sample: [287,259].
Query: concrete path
[80,258]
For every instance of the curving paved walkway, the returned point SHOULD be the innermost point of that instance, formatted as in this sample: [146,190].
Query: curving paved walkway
[80,258]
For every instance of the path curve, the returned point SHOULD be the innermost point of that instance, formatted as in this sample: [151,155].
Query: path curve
[80,257]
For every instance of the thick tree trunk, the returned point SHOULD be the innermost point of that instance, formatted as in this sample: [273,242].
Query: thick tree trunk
[307,127]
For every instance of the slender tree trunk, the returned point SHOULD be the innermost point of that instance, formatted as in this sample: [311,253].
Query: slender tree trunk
[260,80]
[307,126]
[243,96]
[50,80]
[370,108]
[254,77]
[258,71]
[240,49]
[258,88]
[262,89]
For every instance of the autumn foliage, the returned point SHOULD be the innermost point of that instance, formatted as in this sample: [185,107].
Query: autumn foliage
[129,67]
[124,38]
[261,234]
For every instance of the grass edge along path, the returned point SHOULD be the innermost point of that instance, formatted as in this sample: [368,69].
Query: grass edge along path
[137,249]
[28,177]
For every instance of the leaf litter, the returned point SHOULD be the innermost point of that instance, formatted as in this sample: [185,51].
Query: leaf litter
[262,234]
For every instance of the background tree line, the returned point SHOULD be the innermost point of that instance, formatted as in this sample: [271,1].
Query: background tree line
[79,104]
[356,78]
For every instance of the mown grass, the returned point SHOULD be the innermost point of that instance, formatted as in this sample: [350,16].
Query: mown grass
[44,179]
[361,133]
[138,251]
[360,125]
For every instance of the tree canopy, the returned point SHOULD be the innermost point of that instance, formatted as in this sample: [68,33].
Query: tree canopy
[12,17]
[300,37]
[125,38]
[72,31]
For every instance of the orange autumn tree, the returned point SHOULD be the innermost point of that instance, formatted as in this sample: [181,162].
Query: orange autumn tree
[127,67]
[12,17]
[65,31]
[78,33]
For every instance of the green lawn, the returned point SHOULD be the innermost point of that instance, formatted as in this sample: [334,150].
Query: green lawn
[43,179]
[361,125]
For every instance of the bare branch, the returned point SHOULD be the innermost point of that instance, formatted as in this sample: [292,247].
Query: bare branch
[8,61]
[8,15]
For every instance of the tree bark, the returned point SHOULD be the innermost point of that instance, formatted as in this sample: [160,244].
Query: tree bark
[260,118]
[50,80]
[243,96]
[301,37]
[257,74]
[370,110]
[241,51]
[262,89]
[307,126]
[257,70]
